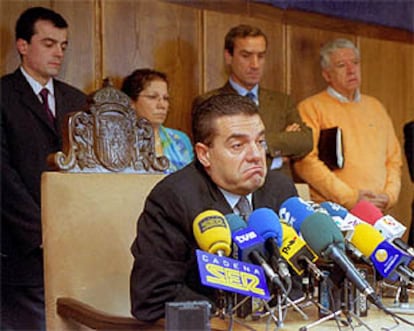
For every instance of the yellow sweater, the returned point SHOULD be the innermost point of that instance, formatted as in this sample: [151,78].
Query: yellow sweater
[372,152]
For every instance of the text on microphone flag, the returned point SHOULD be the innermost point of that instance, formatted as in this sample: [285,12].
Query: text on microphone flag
[231,275]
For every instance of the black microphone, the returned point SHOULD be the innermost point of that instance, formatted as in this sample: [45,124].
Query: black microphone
[357,254]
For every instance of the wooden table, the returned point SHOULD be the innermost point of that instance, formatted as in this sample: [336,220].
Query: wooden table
[376,320]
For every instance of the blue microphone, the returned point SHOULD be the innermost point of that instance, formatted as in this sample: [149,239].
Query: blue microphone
[267,224]
[294,211]
[342,217]
[249,247]
[245,240]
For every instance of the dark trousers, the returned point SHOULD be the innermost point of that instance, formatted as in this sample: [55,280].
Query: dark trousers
[22,308]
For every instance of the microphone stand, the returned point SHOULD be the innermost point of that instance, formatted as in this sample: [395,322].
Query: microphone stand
[401,304]
[344,310]
[308,289]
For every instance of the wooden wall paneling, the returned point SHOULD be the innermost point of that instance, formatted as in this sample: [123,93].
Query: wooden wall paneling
[10,10]
[305,77]
[78,67]
[388,74]
[159,35]
[216,26]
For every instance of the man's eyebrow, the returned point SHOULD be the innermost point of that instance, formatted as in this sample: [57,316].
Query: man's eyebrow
[55,41]
[243,135]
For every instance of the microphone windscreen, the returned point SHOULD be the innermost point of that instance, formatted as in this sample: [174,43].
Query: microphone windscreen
[367,211]
[334,209]
[288,231]
[320,231]
[212,232]
[294,211]
[267,224]
[366,238]
[236,223]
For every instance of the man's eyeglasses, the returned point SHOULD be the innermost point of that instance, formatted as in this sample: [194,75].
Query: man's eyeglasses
[156,97]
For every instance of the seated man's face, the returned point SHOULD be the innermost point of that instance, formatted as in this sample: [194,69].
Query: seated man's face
[236,158]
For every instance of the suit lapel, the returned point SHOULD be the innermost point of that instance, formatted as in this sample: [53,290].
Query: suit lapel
[30,100]
[219,202]
[227,88]
[60,104]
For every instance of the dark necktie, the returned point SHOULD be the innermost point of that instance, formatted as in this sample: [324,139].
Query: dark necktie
[250,95]
[244,207]
[43,94]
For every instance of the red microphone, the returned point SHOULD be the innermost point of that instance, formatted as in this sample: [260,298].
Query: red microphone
[367,211]
[387,225]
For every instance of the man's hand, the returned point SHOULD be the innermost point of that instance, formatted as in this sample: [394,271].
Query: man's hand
[379,200]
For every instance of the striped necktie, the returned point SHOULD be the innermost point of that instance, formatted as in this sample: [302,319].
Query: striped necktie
[243,205]
[43,94]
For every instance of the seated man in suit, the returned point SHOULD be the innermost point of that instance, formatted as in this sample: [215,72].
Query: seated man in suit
[230,148]
[288,138]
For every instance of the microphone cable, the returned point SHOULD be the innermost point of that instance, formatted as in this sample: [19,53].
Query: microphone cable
[397,317]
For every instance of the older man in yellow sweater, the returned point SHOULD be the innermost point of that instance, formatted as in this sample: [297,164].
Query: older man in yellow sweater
[372,154]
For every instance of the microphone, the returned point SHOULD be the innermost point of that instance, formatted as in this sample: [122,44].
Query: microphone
[245,240]
[342,217]
[266,223]
[390,261]
[402,245]
[326,240]
[294,211]
[389,227]
[249,247]
[357,254]
[297,253]
[366,211]
[212,233]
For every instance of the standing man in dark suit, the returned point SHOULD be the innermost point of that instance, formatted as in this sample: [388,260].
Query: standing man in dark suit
[30,131]
[230,145]
[287,136]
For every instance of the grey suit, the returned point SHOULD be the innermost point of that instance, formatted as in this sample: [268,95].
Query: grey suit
[165,267]
[27,138]
[277,111]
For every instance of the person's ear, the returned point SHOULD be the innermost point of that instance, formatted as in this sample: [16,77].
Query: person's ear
[22,46]
[228,58]
[326,75]
[203,154]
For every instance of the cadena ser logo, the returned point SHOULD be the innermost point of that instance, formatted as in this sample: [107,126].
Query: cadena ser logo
[210,222]
[232,275]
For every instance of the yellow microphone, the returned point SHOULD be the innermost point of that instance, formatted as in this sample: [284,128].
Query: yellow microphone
[296,252]
[390,261]
[366,238]
[212,233]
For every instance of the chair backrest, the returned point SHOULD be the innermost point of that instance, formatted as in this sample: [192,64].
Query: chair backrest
[89,223]
[107,136]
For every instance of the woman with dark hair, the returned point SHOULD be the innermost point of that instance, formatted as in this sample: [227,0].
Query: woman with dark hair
[148,90]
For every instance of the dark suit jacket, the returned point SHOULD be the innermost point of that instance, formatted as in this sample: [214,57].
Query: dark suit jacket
[277,111]
[27,138]
[165,267]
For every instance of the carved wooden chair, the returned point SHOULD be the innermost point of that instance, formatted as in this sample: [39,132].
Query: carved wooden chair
[90,206]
